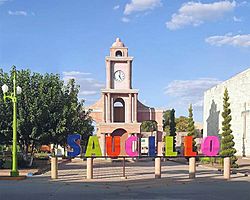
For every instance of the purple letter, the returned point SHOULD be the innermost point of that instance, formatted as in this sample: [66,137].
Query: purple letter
[129,146]
[210,146]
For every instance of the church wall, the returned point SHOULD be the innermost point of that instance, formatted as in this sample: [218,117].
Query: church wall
[238,88]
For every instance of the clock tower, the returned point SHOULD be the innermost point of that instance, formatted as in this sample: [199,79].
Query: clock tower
[118,67]
[119,112]
[120,98]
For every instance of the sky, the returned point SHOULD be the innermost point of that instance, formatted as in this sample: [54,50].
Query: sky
[180,48]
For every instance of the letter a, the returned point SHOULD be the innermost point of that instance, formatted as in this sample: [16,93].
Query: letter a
[93,147]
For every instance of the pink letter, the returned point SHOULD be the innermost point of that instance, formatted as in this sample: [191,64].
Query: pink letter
[210,146]
[129,146]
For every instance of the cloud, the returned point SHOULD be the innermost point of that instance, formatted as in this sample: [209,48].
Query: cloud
[3,1]
[75,73]
[190,91]
[18,13]
[141,5]
[229,39]
[88,85]
[196,13]
[116,7]
[125,19]
[237,19]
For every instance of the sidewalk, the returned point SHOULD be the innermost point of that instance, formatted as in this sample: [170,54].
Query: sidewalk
[244,165]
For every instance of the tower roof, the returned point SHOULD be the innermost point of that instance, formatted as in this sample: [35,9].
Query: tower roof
[118,43]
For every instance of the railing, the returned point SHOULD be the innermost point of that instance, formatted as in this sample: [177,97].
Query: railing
[157,160]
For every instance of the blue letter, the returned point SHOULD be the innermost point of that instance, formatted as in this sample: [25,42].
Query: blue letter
[72,143]
[151,145]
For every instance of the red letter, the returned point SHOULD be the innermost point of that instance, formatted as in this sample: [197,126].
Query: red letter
[188,146]
[113,152]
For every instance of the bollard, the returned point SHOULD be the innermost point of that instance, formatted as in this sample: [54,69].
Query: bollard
[227,168]
[158,167]
[123,169]
[89,168]
[54,168]
[192,167]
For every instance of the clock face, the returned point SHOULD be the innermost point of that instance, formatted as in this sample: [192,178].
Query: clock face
[119,75]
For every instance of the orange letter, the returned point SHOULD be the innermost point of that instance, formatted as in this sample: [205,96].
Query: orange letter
[188,146]
[113,151]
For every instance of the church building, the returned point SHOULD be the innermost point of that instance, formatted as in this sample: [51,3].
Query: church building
[119,112]
[239,93]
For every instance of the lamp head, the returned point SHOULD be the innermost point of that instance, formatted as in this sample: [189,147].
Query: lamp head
[18,90]
[5,88]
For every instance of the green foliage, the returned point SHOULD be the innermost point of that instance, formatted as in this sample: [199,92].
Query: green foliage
[181,124]
[47,111]
[166,121]
[191,127]
[205,160]
[172,126]
[227,143]
[148,126]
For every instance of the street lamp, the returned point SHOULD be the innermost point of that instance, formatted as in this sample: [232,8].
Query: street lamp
[12,96]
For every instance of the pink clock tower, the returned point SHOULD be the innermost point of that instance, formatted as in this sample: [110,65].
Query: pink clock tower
[119,112]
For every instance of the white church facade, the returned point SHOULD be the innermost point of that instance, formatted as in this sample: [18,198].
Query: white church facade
[239,93]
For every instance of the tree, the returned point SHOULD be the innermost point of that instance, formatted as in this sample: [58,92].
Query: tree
[74,117]
[47,111]
[172,126]
[148,126]
[5,112]
[181,124]
[191,127]
[227,143]
[166,121]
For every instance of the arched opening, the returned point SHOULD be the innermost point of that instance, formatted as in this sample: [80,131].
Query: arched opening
[118,53]
[118,132]
[123,134]
[119,110]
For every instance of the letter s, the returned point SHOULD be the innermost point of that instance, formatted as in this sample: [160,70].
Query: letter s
[72,143]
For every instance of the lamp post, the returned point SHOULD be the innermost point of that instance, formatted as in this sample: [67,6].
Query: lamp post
[12,96]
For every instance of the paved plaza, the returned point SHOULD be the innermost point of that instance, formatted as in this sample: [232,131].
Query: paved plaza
[140,183]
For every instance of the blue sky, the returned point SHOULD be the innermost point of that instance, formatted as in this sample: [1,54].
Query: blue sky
[180,48]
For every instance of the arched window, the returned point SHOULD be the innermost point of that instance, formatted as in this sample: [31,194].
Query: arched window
[118,53]
[119,110]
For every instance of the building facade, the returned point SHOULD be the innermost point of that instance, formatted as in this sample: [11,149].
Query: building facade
[239,93]
[119,112]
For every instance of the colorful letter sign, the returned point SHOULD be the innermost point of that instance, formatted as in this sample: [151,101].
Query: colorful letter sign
[129,146]
[188,146]
[93,147]
[151,146]
[169,146]
[73,142]
[210,146]
[113,150]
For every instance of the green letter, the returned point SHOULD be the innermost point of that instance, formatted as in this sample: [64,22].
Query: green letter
[93,147]
[169,146]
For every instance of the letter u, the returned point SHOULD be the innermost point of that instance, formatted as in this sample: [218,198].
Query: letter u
[113,150]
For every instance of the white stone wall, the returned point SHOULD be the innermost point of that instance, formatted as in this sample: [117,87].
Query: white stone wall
[239,93]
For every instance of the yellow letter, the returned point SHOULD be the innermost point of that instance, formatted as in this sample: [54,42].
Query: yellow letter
[93,147]
[169,146]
